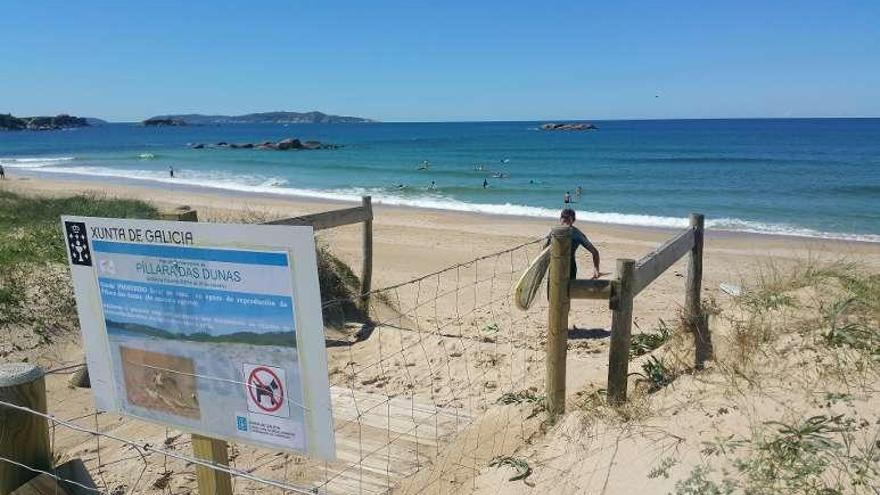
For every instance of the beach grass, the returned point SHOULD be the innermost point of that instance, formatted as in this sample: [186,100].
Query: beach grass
[34,283]
[30,227]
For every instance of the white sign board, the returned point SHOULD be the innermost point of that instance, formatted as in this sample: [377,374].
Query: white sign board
[210,328]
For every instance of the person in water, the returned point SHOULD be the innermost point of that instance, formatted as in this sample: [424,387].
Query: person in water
[171,171]
[579,191]
[578,238]
[433,186]
[485,183]
[567,198]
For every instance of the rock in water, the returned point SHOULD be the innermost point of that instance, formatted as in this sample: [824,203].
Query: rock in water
[289,143]
[571,126]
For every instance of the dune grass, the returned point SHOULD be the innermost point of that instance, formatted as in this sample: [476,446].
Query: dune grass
[806,338]
[30,227]
[34,285]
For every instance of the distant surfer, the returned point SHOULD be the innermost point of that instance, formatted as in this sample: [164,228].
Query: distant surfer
[426,165]
[578,238]
[485,183]
[433,186]
[578,192]
[567,198]
[170,171]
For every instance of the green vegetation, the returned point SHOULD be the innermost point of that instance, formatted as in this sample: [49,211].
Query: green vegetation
[821,454]
[523,470]
[808,339]
[340,290]
[656,373]
[34,285]
[645,342]
[30,228]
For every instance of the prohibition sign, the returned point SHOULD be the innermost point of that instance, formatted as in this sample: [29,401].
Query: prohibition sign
[262,383]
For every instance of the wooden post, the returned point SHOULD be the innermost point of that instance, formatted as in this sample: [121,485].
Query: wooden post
[557,319]
[181,214]
[367,272]
[699,324]
[621,327]
[24,436]
[211,481]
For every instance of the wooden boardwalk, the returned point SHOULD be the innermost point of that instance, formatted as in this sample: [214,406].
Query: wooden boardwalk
[381,440]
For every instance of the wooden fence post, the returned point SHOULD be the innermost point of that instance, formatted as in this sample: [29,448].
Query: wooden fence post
[367,272]
[557,319]
[621,328]
[698,323]
[24,437]
[211,481]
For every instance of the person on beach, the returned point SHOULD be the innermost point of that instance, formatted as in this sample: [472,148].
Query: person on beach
[171,171]
[2,172]
[578,238]
[567,198]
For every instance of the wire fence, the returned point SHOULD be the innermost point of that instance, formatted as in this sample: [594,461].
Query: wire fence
[444,376]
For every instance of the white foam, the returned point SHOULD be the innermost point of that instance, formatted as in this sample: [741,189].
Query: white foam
[277,186]
[36,162]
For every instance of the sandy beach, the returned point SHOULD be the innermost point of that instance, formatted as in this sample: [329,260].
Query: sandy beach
[474,371]
[410,242]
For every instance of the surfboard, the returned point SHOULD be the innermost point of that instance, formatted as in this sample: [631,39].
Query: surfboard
[530,281]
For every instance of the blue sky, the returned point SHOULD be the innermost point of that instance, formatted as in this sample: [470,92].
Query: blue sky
[450,60]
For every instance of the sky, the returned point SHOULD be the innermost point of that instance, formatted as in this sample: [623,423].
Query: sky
[444,60]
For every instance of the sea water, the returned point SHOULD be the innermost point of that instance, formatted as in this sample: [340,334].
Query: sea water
[808,177]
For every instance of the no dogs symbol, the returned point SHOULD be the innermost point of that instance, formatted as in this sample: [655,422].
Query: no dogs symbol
[266,390]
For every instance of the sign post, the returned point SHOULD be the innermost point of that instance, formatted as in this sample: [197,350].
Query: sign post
[209,328]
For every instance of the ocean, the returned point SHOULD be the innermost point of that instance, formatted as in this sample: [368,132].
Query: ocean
[804,177]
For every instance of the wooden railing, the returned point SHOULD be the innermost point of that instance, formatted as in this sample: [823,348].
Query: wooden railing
[337,218]
[632,278]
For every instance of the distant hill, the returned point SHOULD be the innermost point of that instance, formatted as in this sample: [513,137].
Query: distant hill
[264,118]
[8,122]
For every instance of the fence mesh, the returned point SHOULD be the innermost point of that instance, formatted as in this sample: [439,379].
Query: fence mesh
[444,375]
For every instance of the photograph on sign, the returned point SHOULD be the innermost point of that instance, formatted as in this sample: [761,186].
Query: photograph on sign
[205,336]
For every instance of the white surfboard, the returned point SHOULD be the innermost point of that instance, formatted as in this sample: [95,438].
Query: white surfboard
[530,282]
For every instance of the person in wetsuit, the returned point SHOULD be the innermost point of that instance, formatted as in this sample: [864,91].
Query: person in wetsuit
[578,238]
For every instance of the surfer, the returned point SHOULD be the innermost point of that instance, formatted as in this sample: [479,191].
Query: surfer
[485,183]
[578,238]
[578,192]
[426,165]
[433,186]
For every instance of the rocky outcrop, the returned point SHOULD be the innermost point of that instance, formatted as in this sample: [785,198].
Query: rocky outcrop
[9,122]
[156,122]
[570,126]
[265,118]
[283,145]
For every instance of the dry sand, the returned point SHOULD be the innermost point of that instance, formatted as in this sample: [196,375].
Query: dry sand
[412,242]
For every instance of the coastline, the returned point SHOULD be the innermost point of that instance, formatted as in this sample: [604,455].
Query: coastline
[84,182]
[412,241]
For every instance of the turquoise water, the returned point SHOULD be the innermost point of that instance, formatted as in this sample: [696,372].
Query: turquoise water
[813,177]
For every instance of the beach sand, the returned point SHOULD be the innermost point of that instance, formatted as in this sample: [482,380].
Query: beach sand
[410,242]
